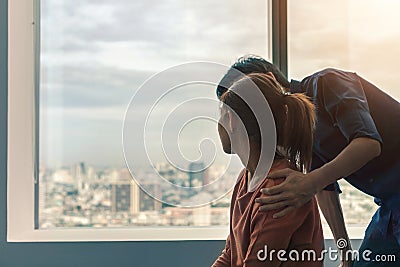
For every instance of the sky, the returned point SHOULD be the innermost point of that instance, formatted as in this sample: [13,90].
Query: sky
[356,35]
[95,54]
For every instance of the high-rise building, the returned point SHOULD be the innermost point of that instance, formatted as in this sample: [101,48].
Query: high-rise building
[150,198]
[80,176]
[124,193]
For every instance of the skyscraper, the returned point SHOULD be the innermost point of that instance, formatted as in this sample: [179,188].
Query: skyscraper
[148,199]
[124,193]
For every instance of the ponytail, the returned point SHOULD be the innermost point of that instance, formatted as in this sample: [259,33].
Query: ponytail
[299,130]
[294,119]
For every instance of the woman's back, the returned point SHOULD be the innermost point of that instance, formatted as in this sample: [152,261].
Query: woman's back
[255,237]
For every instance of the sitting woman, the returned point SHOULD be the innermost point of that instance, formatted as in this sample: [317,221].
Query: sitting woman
[256,238]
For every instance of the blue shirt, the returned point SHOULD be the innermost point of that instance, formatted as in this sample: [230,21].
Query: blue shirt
[347,107]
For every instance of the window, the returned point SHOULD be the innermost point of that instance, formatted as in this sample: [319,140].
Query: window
[83,60]
[356,35]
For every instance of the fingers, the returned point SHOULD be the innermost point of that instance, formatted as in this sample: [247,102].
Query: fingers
[275,206]
[280,173]
[276,189]
[272,199]
[284,212]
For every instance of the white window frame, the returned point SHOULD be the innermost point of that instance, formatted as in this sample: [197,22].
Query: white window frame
[21,154]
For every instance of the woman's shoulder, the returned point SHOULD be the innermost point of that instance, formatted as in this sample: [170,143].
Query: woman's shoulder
[307,207]
[279,165]
[240,182]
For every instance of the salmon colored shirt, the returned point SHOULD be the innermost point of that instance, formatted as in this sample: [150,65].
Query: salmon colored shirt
[253,232]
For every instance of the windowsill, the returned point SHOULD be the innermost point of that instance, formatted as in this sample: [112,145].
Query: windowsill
[142,234]
[122,234]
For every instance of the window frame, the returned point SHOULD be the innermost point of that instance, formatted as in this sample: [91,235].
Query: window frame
[23,73]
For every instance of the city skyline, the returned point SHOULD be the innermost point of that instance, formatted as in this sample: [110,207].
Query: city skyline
[82,196]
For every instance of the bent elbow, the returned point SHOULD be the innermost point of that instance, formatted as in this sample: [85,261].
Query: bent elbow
[376,148]
[372,147]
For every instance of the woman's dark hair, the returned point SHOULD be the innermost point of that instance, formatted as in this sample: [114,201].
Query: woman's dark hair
[293,114]
[246,65]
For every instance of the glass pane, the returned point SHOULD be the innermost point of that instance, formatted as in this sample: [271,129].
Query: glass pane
[94,56]
[356,35]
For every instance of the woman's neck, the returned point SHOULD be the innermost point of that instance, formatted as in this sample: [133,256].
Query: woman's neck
[254,159]
[253,162]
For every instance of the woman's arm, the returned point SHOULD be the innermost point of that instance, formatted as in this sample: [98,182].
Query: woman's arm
[225,258]
[358,153]
[329,203]
[298,188]
[345,102]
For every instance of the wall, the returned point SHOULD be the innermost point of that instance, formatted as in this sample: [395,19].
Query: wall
[185,254]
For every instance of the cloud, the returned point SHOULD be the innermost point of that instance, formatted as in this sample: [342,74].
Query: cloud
[89,86]
[172,31]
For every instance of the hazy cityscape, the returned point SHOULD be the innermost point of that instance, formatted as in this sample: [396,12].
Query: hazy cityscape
[83,196]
